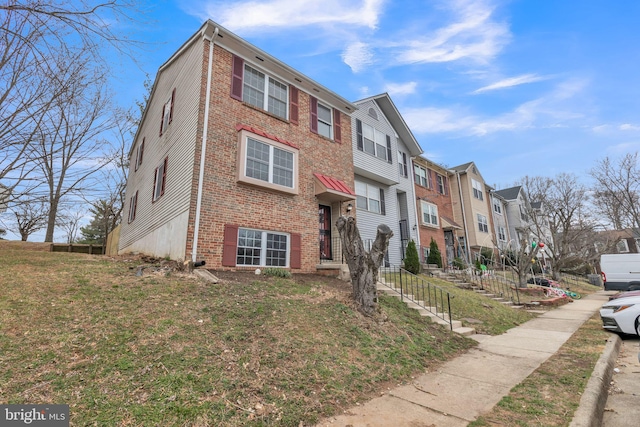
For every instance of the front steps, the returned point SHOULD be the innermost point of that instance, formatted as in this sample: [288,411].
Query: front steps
[439,318]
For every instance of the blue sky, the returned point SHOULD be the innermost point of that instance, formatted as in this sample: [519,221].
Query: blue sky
[521,87]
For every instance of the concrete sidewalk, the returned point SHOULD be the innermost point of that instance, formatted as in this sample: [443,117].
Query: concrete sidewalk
[471,384]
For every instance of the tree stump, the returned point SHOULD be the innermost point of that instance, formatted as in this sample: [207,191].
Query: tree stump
[363,265]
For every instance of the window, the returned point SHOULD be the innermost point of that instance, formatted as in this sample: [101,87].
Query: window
[159,180]
[325,123]
[133,205]
[622,246]
[440,184]
[262,91]
[325,120]
[477,189]
[502,234]
[429,213]
[497,206]
[370,198]
[402,164]
[421,176]
[482,223]
[262,248]
[139,154]
[268,163]
[167,113]
[374,142]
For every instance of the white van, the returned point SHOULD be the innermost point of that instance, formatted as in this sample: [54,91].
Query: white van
[620,272]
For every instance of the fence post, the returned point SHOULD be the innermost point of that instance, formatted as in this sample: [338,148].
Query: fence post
[401,291]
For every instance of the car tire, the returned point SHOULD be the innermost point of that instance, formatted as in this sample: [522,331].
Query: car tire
[638,328]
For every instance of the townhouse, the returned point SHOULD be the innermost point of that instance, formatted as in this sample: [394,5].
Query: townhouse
[383,148]
[239,161]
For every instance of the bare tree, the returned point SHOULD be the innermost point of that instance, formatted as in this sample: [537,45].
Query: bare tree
[363,266]
[69,221]
[32,34]
[30,217]
[71,144]
[565,215]
[617,188]
[519,260]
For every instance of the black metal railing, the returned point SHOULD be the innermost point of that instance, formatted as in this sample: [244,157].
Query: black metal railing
[419,291]
[330,250]
[502,283]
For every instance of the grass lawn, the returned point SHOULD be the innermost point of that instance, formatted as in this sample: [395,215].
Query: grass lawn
[164,348]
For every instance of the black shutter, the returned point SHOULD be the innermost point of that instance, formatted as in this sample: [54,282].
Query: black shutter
[359,131]
[383,209]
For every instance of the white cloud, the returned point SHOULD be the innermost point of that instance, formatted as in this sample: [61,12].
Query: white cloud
[627,126]
[357,56]
[436,120]
[258,15]
[473,35]
[510,82]
[401,88]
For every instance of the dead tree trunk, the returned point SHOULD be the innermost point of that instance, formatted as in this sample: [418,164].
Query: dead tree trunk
[363,266]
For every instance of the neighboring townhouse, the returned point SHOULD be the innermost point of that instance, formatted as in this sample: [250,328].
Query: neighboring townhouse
[500,221]
[239,161]
[435,210]
[519,211]
[383,147]
[471,210]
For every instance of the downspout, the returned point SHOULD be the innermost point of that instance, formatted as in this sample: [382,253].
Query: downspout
[203,149]
[464,220]
[415,204]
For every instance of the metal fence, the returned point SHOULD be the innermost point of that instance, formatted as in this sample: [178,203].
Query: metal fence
[419,291]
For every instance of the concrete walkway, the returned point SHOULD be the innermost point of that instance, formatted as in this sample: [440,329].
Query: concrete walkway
[468,386]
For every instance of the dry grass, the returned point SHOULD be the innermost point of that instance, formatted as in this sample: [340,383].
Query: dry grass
[164,348]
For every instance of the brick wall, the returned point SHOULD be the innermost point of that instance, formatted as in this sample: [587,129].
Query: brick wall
[225,201]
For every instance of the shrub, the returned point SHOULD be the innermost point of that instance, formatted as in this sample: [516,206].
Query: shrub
[458,263]
[411,260]
[434,254]
[276,272]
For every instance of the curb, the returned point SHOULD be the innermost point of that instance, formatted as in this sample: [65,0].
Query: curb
[594,397]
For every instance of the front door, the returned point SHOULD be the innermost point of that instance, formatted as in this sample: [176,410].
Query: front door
[324,217]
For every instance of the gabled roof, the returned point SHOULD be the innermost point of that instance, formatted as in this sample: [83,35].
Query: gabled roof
[510,193]
[393,115]
[461,168]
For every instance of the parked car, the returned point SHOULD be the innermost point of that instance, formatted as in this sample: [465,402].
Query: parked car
[622,315]
[625,294]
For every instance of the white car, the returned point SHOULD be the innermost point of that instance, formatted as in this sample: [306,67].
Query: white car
[622,315]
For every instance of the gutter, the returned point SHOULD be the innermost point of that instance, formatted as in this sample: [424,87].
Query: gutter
[203,149]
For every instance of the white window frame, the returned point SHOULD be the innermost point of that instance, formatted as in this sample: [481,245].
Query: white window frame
[440,184]
[403,168]
[502,234]
[133,206]
[139,155]
[327,130]
[477,189]
[418,176]
[483,225]
[160,180]
[273,147]
[497,206]
[266,94]
[263,249]
[368,197]
[166,118]
[379,147]
[622,246]
[429,214]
